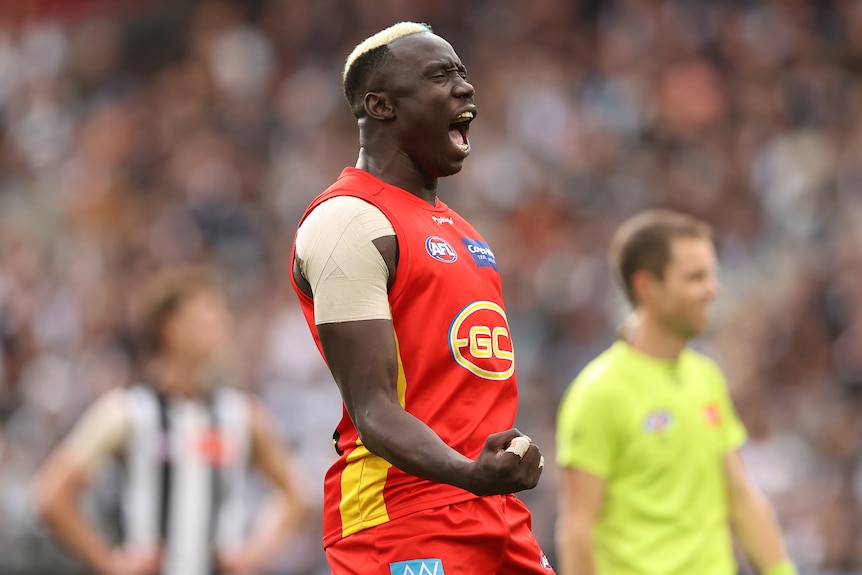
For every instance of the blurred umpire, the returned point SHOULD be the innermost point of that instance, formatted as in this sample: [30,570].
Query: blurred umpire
[653,481]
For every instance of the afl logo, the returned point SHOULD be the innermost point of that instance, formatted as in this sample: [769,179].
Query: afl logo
[440,250]
[480,342]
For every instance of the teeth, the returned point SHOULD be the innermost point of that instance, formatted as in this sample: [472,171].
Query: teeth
[464,116]
[463,147]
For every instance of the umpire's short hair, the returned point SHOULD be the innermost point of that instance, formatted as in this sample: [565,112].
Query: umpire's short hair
[643,243]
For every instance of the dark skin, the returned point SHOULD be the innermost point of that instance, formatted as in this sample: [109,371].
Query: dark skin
[405,141]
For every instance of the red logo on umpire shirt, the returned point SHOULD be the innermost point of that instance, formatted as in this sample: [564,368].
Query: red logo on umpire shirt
[712,415]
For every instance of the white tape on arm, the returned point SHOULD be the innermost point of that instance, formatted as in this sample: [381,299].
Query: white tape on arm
[345,270]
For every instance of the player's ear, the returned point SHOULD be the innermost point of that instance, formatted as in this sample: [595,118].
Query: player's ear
[643,285]
[378,106]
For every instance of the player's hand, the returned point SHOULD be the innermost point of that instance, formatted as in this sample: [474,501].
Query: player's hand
[507,466]
[133,561]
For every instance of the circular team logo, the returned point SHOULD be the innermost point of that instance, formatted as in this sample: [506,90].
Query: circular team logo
[657,421]
[440,250]
[480,341]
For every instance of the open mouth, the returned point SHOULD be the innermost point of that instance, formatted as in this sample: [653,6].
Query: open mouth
[459,128]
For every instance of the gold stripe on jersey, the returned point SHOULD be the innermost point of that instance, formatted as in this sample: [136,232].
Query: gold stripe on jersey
[364,477]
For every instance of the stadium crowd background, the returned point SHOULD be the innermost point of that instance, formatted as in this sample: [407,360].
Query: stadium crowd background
[136,135]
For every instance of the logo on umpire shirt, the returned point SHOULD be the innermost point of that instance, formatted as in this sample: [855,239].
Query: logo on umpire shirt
[440,250]
[712,415]
[480,342]
[657,421]
[417,567]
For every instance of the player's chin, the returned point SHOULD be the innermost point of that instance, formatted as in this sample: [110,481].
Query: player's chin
[699,325]
[451,165]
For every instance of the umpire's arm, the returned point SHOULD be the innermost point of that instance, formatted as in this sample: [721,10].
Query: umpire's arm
[580,503]
[753,520]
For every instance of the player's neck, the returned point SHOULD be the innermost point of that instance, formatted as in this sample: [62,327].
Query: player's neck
[397,170]
[653,339]
[174,376]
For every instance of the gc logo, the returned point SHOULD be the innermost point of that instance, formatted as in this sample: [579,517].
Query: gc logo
[480,342]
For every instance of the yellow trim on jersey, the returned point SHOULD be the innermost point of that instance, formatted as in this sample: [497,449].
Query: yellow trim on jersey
[364,477]
[402,379]
[362,483]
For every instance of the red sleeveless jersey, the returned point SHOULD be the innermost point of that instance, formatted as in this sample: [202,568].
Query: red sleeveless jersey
[456,367]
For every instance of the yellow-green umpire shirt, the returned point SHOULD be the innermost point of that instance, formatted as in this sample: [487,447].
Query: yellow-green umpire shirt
[656,431]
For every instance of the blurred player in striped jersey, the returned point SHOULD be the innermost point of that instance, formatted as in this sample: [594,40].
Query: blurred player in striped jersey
[186,443]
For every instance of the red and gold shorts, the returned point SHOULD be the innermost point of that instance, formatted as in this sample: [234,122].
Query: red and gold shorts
[482,536]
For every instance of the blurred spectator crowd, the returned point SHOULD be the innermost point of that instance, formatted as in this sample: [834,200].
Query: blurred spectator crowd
[137,135]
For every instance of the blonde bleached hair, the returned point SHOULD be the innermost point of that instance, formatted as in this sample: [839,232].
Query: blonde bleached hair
[382,38]
[369,54]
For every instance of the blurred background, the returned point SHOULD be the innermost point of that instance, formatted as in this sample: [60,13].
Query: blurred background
[139,134]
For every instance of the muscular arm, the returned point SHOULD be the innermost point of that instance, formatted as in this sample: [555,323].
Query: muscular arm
[363,360]
[579,506]
[752,518]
